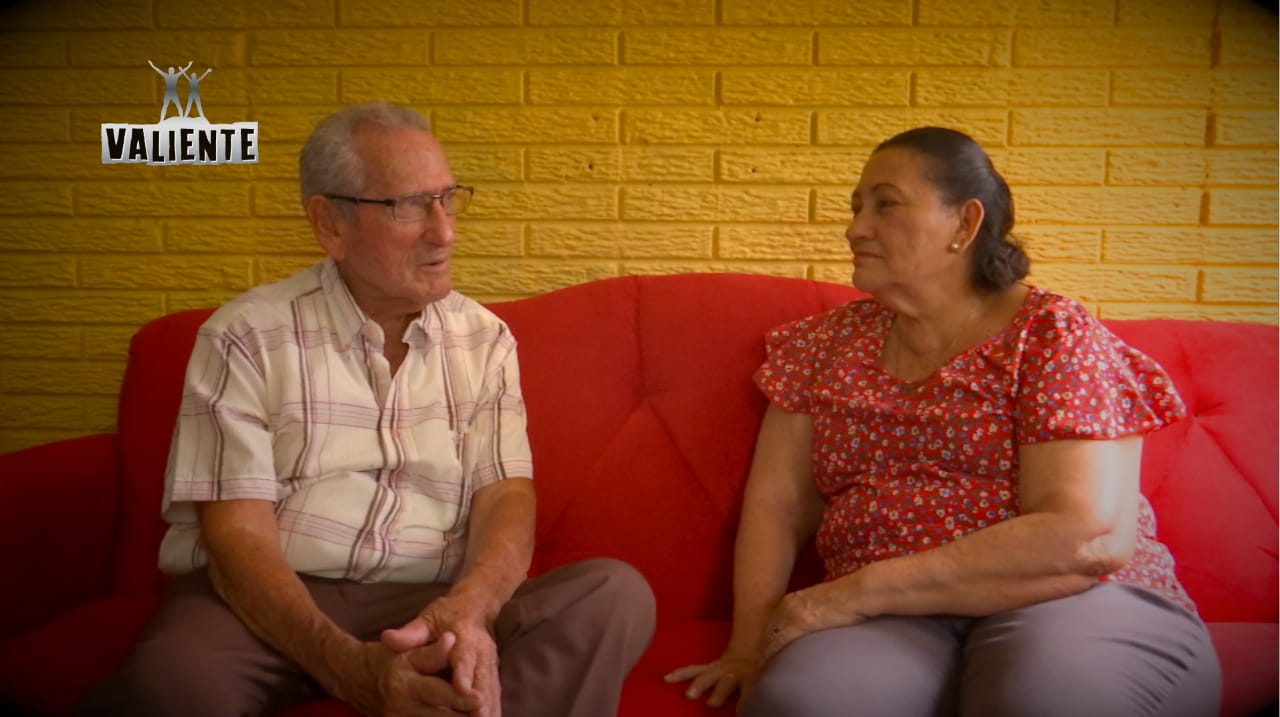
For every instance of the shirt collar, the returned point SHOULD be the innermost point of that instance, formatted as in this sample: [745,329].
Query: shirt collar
[349,319]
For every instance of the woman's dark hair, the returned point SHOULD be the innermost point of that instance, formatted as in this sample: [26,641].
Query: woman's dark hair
[961,170]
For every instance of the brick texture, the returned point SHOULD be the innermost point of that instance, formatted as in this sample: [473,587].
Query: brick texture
[608,137]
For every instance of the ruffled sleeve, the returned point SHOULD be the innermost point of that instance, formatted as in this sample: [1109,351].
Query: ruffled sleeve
[1077,380]
[790,370]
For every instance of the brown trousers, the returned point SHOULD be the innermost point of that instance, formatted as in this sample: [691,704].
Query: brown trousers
[1111,651]
[566,640]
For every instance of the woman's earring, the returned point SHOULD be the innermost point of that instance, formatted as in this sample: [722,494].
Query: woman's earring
[955,246]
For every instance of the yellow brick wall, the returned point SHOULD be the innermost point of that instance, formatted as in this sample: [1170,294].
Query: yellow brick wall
[610,137]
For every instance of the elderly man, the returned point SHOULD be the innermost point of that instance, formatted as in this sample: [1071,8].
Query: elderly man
[349,491]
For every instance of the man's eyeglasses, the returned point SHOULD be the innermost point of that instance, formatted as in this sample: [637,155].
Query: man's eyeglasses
[416,207]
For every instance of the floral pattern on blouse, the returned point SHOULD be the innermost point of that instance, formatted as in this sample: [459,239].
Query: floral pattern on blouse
[904,467]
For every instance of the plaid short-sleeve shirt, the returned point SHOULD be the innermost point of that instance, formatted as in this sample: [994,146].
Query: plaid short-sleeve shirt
[289,398]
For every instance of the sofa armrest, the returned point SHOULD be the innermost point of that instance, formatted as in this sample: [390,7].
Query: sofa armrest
[59,508]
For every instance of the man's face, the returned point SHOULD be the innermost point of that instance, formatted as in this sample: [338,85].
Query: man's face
[394,268]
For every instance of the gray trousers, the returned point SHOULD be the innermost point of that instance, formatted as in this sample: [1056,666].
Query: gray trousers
[1111,651]
[566,640]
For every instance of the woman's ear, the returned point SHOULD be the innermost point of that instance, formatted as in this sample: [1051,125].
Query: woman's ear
[971,215]
[327,225]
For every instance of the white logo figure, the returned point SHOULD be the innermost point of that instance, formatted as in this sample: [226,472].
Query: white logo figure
[171,88]
[193,92]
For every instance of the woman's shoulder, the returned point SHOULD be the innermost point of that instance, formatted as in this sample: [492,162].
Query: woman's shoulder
[844,319]
[1049,312]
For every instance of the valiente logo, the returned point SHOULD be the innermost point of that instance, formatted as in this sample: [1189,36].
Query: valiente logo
[181,138]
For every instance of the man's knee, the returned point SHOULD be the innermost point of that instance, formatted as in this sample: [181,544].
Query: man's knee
[617,594]
[154,682]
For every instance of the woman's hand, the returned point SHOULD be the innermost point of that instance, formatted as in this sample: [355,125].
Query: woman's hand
[733,671]
[820,607]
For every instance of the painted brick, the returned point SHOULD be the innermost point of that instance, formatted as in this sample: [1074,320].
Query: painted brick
[668,164]
[1244,128]
[41,411]
[78,307]
[569,163]
[63,161]
[526,47]
[1108,128]
[244,14]
[772,242]
[184,300]
[651,268]
[415,13]
[40,86]
[1060,244]
[288,86]
[534,201]
[239,236]
[722,47]
[489,239]
[107,341]
[33,49]
[165,272]
[1236,285]
[35,199]
[1109,47]
[158,200]
[118,14]
[61,377]
[1243,206]
[867,128]
[526,125]
[100,413]
[40,342]
[433,87]
[814,87]
[38,272]
[1137,167]
[277,199]
[268,270]
[622,86]
[525,278]
[133,49]
[1088,282]
[1248,45]
[1242,167]
[79,235]
[714,203]
[1182,87]
[1189,245]
[1107,205]
[725,126]
[35,125]
[1189,312]
[915,48]
[483,163]
[1057,166]
[1016,12]
[1146,13]
[340,48]
[816,12]
[16,440]
[788,166]
[831,205]
[621,241]
[276,160]
[841,273]
[287,124]
[1245,86]
[1014,87]
[1251,14]
[622,12]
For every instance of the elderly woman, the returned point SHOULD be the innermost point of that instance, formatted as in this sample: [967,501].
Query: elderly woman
[966,449]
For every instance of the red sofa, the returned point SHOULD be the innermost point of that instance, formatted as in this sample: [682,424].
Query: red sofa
[642,419]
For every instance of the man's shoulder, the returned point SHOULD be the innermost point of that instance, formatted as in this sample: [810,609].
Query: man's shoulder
[266,305]
[463,308]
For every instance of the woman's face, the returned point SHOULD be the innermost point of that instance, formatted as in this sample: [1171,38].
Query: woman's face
[902,230]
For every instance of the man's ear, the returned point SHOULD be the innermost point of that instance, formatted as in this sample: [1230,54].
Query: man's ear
[327,225]
[971,215]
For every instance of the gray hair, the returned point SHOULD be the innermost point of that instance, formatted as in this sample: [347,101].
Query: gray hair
[329,162]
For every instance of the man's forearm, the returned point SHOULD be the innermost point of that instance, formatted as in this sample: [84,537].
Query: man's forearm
[499,545]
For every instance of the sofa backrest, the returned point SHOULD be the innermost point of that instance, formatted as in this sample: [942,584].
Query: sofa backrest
[643,417]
